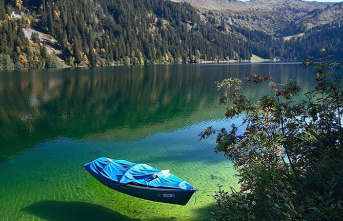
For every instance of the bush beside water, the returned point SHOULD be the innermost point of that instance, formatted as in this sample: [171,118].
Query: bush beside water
[289,158]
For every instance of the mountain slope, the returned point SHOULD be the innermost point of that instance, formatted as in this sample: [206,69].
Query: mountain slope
[115,32]
[109,32]
[332,13]
[328,36]
[271,16]
[295,28]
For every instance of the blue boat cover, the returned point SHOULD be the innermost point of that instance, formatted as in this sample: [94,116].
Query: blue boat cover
[123,172]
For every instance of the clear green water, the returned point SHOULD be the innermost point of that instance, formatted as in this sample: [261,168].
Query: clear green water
[52,122]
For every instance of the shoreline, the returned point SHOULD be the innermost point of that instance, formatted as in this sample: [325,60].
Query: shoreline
[231,62]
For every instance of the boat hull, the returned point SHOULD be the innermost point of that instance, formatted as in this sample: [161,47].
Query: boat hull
[163,195]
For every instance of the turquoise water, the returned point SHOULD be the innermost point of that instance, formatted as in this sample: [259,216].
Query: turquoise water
[52,122]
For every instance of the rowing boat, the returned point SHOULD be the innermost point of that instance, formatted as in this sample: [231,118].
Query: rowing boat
[141,181]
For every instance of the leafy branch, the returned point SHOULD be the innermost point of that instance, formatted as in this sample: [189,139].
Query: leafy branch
[287,147]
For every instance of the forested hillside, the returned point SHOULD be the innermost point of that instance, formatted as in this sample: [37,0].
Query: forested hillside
[137,32]
[109,32]
[17,51]
[116,32]
[294,29]
[327,36]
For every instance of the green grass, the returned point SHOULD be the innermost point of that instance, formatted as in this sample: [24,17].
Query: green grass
[287,38]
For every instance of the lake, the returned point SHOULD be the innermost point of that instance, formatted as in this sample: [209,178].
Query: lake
[52,122]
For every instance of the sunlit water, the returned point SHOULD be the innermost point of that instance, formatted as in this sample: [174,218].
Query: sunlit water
[52,122]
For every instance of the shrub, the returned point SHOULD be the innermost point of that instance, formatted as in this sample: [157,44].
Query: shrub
[289,158]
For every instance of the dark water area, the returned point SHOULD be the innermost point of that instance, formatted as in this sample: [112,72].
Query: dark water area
[52,122]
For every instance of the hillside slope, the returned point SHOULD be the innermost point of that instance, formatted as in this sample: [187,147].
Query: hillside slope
[116,32]
[275,17]
[112,32]
[296,28]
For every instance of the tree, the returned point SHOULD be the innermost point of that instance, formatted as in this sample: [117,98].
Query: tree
[77,52]
[52,61]
[6,63]
[290,155]
[35,37]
